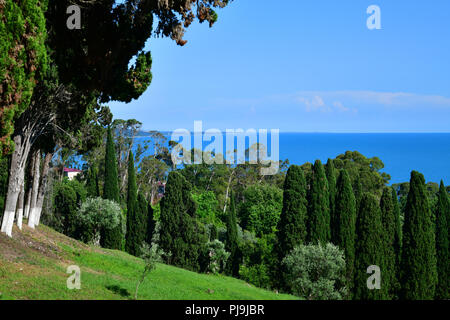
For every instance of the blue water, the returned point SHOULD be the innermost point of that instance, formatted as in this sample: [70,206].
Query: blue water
[428,153]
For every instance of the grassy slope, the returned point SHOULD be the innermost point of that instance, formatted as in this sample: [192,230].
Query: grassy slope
[33,265]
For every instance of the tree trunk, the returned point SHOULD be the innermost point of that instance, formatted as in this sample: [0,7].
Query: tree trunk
[228,191]
[43,186]
[20,209]
[26,212]
[15,181]
[36,169]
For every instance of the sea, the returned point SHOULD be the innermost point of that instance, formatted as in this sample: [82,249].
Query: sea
[428,153]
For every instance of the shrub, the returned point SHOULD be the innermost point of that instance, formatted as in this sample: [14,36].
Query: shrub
[316,272]
[94,215]
[216,256]
[259,260]
[65,209]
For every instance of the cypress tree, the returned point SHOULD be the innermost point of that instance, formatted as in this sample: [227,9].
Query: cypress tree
[132,245]
[231,245]
[358,192]
[368,247]
[397,241]
[442,244]
[92,187]
[346,224]
[112,239]
[292,225]
[389,267]
[151,224]
[418,263]
[23,61]
[318,210]
[141,221]
[180,235]
[331,178]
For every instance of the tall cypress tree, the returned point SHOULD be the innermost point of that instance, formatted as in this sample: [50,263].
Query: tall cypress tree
[151,224]
[346,224]
[358,192]
[180,235]
[397,241]
[442,244]
[141,221]
[369,247]
[418,263]
[331,178]
[112,239]
[92,186]
[231,245]
[389,266]
[292,225]
[318,210]
[132,245]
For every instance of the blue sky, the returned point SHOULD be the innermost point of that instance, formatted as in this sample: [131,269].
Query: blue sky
[304,66]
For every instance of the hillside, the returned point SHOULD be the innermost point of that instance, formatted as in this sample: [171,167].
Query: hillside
[33,265]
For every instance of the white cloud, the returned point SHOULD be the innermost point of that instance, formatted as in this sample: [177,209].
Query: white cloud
[386,99]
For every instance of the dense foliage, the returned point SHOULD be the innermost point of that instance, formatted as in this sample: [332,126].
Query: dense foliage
[94,215]
[345,224]
[181,235]
[23,60]
[442,213]
[111,238]
[319,229]
[388,220]
[316,272]
[369,247]
[418,262]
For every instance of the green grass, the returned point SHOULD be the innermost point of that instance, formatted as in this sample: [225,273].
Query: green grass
[33,265]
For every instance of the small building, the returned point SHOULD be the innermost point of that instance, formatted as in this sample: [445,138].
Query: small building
[71,173]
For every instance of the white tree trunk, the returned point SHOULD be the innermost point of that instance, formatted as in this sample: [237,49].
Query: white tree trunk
[228,191]
[20,209]
[34,193]
[42,187]
[15,181]
[26,211]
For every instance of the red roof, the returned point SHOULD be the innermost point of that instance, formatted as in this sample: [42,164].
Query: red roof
[71,170]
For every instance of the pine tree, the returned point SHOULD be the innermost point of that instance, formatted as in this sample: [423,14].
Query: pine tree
[318,210]
[180,235]
[92,187]
[442,244]
[418,263]
[397,242]
[231,245]
[292,225]
[346,224]
[389,267]
[112,239]
[331,178]
[368,247]
[132,245]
